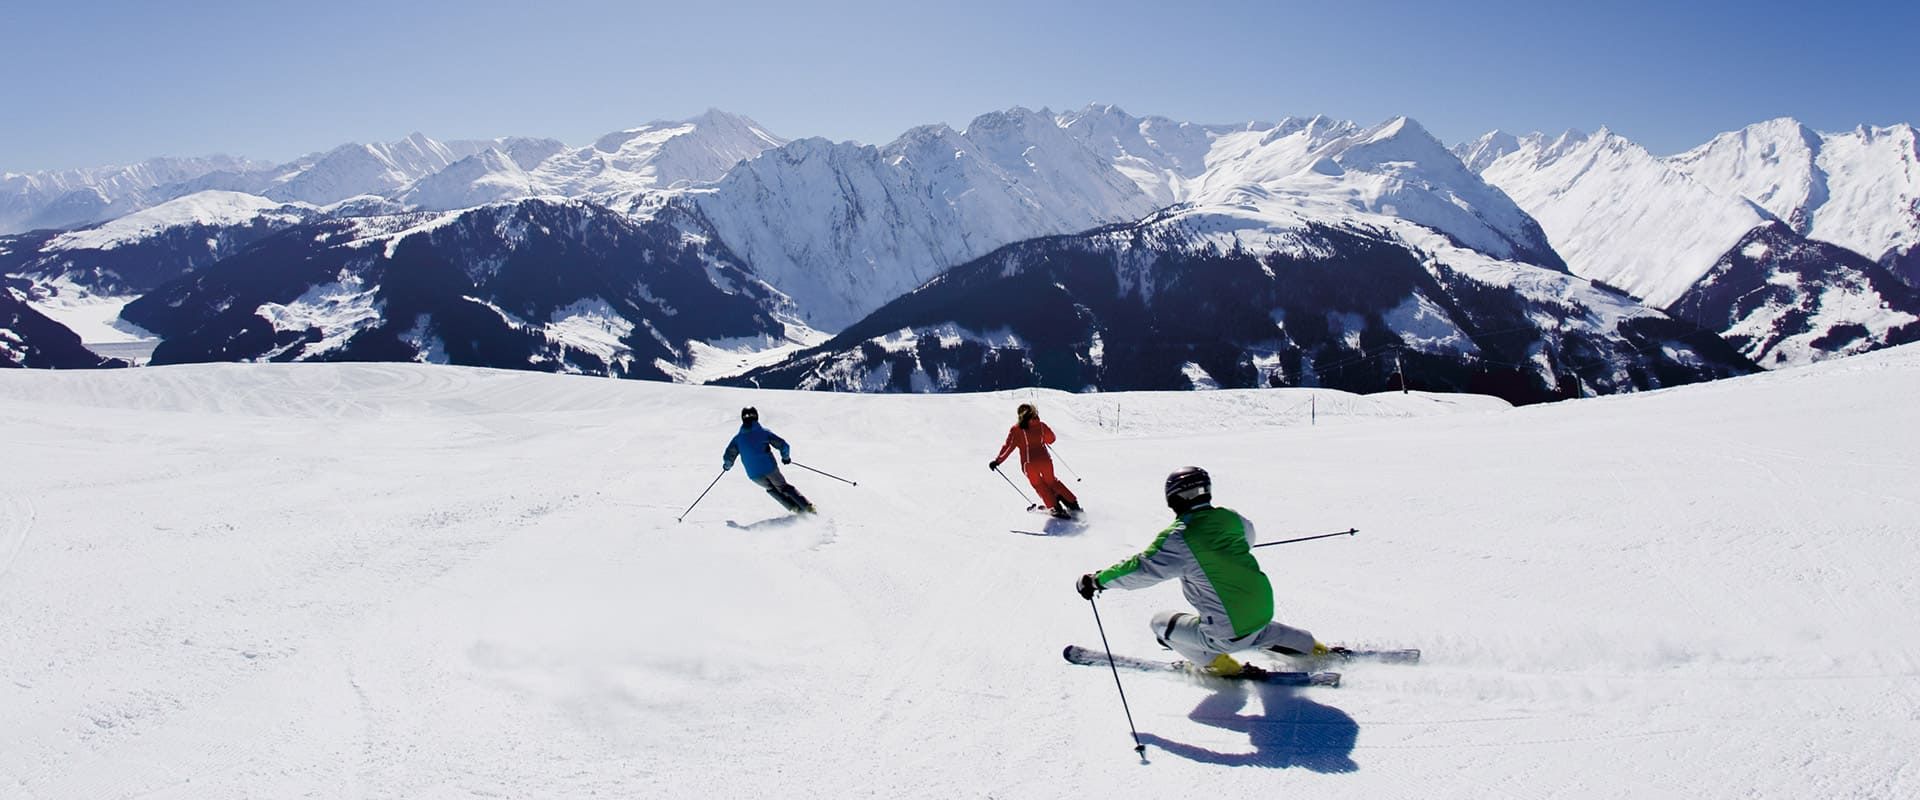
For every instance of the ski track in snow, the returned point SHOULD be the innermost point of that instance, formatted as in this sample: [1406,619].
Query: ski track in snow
[406,580]
[16,517]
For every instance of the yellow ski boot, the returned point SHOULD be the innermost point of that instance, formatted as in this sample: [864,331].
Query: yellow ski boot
[1223,665]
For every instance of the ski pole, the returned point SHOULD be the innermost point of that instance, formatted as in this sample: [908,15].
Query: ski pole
[1016,489]
[1063,462]
[1137,746]
[703,496]
[1347,532]
[828,474]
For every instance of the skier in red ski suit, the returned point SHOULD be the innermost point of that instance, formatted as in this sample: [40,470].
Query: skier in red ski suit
[1031,437]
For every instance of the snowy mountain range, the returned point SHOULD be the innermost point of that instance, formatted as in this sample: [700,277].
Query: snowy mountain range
[843,228]
[1859,189]
[134,254]
[554,285]
[816,235]
[1617,213]
[1664,229]
[417,171]
[1258,295]
[71,198]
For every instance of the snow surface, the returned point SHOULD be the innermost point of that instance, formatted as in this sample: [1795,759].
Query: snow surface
[94,317]
[402,580]
[722,358]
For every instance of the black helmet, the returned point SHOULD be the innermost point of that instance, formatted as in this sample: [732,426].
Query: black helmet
[1188,488]
[749,415]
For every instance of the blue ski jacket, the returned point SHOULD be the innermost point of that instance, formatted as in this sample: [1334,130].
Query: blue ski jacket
[753,445]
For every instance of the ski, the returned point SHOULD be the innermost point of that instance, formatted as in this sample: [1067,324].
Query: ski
[1094,658]
[1342,655]
[1053,526]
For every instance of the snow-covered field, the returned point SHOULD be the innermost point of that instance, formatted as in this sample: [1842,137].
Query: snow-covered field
[96,319]
[412,581]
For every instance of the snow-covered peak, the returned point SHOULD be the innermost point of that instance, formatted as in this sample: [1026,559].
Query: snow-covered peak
[209,208]
[1015,121]
[66,198]
[1859,189]
[1049,169]
[658,155]
[842,227]
[526,152]
[1398,141]
[489,176]
[1540,149]
[1619,214]
[1158,154]
[1477,154]
[353,169]
[1338,171]
[630,147]
[1873,190]
[1771,163]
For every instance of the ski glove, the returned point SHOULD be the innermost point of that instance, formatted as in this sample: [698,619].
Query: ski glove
[994,464]
[786,459]
[1088,586]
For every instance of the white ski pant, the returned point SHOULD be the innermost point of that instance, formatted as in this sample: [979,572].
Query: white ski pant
[1181,631]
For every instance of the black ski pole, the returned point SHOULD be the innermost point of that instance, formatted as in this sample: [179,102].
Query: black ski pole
[1063,462]
[1016,489]
[828,474]
[703,496]
[1137,746]
[1347,532]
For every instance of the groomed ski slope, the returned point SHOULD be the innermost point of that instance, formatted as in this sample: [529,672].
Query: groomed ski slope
[316,580]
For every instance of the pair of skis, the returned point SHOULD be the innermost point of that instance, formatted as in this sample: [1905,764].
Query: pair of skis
[1054,525]
[1340,655]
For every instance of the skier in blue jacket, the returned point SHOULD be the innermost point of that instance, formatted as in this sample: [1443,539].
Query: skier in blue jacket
[754,445]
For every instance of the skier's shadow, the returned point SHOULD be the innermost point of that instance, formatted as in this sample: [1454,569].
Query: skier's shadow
[765,524]
[1062,527]
[1293,732]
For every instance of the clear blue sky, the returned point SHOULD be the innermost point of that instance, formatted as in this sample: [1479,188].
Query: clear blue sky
[84,83]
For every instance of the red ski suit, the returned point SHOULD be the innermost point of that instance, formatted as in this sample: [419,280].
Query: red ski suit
[1032,443]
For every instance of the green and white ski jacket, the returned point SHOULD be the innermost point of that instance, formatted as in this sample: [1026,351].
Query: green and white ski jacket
[1210,550]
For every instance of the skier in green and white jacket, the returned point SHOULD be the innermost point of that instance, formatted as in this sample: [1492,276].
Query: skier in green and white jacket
[1210,550]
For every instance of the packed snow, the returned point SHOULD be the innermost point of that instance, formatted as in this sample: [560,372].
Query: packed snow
[406,580]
